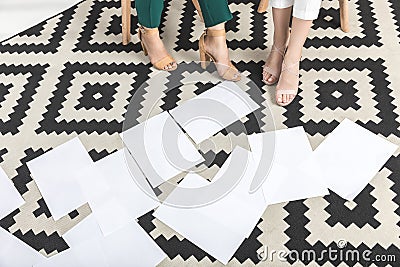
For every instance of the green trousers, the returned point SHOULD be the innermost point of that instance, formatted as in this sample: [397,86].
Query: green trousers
[214,12]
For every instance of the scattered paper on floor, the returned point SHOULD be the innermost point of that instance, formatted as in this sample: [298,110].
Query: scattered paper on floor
[113,194]
[220,227]
[161,148]
[285,179]
[55,174]
[129,246]
[350,157]
[210,112]
[14,252]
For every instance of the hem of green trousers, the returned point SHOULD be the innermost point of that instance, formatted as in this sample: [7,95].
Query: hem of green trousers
[218,21]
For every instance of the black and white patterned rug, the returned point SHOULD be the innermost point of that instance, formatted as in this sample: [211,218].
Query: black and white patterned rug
[71,75]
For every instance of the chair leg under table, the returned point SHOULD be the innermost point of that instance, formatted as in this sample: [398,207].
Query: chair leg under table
[344,15]
[126,21]
[197,6]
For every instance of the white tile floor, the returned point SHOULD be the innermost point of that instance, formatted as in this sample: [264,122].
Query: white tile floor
[18,15]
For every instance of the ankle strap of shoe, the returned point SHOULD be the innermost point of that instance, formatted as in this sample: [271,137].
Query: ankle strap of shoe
[280,50]
[148,31]
[289,67]
[215,33]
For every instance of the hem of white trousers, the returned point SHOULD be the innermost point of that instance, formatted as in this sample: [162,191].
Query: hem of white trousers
[282,4]
[306,14]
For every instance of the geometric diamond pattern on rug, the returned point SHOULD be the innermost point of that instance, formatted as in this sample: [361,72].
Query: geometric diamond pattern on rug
[3,151]
[33,40]
[97,96]
[179,246]
[36,30]
[338,94]
[43,209]
[4,90]
[394,166]
[108,37]
[362,214]
[395,5]
[377,114]
[23,176]
[71,75]
[43,238]
[329,18]
[39,241]
[298,234]
[64,114]
[17,93]
[73,214]
[325,31]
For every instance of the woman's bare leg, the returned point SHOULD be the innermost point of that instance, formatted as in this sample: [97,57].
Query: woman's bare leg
[281,18]
[156,49]
[217,46]
[298,36]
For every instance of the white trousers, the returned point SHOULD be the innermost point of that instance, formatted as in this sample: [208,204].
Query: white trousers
[302,9]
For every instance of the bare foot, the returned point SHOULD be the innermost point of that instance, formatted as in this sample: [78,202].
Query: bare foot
[156,49]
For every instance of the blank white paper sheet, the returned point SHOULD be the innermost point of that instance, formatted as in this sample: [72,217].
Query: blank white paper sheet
[11,199]
[220,227]
[113,195]
[15,253]
[129,246]
[55,174]
[85,230]
[350,157]
[286,181]
[210,112]
[161,149]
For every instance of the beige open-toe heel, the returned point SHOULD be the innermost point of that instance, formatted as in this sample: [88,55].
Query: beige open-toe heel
[274,72]
[288,91]
[164,62]
[231,73]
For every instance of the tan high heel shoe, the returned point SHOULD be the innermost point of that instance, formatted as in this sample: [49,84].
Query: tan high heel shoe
[165,61]
[231,73]
[288,91]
